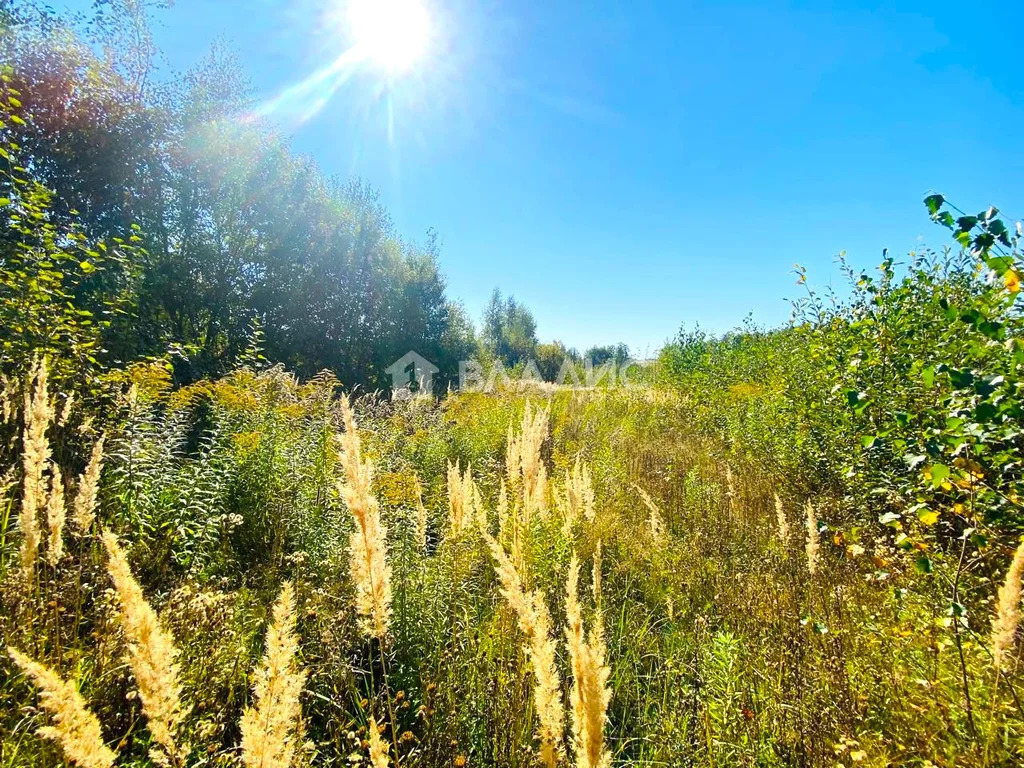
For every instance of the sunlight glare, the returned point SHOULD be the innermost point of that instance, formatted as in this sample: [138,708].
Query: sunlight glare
[393,34]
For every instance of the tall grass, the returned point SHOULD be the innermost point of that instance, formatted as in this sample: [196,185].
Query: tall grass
[35,462]
[75,728]
[272,727]
[453,629]
[370,571]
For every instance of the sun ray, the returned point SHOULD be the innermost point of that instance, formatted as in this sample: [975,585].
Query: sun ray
[387,37]
[308,97]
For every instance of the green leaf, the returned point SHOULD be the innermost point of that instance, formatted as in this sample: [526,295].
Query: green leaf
[934,203]
[998,228]
[984,241]
[923,565]
[967,223]
[928,516]
[961,379]
[999,264]
[939,473]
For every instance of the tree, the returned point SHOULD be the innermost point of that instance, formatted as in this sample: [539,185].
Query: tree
[509,330]
[237,227]
[56,297]
[458,343]
[550,358]
[617,353]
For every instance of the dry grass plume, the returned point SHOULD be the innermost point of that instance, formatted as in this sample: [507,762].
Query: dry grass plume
[535,622]
[1008,615]
[782,524]
[590,694]
[465,507]
[55,516]
[88,487]
[75,728]
[370,572]
[271,728]
[655,520]
[152,657]
[35,459]
[378,747]
[813,538]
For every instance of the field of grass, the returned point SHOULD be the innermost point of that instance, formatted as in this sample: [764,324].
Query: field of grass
[799,546]
[251,572]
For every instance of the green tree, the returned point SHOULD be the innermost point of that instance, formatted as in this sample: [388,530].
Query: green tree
[616,353]
[509,330]
[56,290]
[237,226]
[550,357]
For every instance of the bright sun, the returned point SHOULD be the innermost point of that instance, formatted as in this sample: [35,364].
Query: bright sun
[393,34]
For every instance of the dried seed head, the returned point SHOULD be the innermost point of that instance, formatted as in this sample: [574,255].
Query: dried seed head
[74,727]
[524,465]
[464,503]
[55,515]
[535,622]
[577,496]
[655,521]
[151,656]
[378,747]
[272,728]
[88,487]
[1008,615]
[35,459]
[65,411]
[590,694]
[780,519]
[368,566]
[813,539]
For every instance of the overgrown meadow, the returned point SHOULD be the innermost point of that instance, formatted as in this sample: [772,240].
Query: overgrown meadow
[266,572]
[781,547]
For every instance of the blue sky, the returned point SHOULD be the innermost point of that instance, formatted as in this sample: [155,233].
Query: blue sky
[628,167]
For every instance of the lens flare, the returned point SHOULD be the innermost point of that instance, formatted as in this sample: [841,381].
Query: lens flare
[377,49]
[391,34]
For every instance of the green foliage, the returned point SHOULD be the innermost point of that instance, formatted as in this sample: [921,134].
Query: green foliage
[617,353]
[509,331]
[236,226]
[59,288]
[898,405]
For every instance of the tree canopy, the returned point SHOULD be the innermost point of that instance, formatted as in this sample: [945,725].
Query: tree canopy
[233,225]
